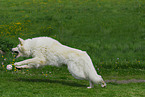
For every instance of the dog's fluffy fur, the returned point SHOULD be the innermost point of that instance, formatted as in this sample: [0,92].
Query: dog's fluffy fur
[47,51]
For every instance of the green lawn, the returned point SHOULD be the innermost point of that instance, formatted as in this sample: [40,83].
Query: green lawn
[111,31]
[58,82]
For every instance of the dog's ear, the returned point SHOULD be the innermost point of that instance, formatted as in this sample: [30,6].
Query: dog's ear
[21,41]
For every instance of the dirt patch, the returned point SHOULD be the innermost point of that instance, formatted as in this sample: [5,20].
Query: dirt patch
[125,81]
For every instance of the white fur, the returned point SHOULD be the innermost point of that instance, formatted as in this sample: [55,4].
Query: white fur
[47,51]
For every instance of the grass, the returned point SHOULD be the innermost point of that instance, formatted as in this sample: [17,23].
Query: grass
[111,31]
[59,82]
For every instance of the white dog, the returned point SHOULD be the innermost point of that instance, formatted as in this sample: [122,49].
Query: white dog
[47,51]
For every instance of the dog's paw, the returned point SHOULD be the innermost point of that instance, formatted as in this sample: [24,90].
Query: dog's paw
[89,87]
[17,63]
[103,85]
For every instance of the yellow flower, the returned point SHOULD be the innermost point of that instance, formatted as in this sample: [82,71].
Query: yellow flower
[28,21]
[49,27]
[18,23]
[59,1]
[27,2]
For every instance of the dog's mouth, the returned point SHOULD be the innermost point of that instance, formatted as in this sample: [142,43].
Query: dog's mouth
[16,54]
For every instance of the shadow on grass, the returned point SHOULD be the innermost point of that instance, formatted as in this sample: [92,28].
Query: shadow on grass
[63,82]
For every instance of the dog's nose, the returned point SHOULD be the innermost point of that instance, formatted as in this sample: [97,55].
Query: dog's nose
[11,50]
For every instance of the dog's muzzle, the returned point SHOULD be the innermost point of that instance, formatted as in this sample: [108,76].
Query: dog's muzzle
[16,53]
[103,84]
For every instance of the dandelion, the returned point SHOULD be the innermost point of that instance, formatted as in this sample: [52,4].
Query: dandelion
[14,55]
[28,21]
[43,3]
[49,27]
[27,3]
[18,23]
[59,1]
[8,32]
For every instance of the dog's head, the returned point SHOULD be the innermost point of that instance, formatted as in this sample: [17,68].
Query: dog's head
[102,82]
[22,49]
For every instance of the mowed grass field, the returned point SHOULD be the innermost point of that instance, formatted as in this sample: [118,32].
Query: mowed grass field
[111,31]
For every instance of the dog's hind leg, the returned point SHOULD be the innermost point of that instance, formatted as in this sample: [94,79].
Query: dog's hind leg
[91,85]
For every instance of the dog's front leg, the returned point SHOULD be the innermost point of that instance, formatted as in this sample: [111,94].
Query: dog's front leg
[91,85]
[23,66]
[33,61]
